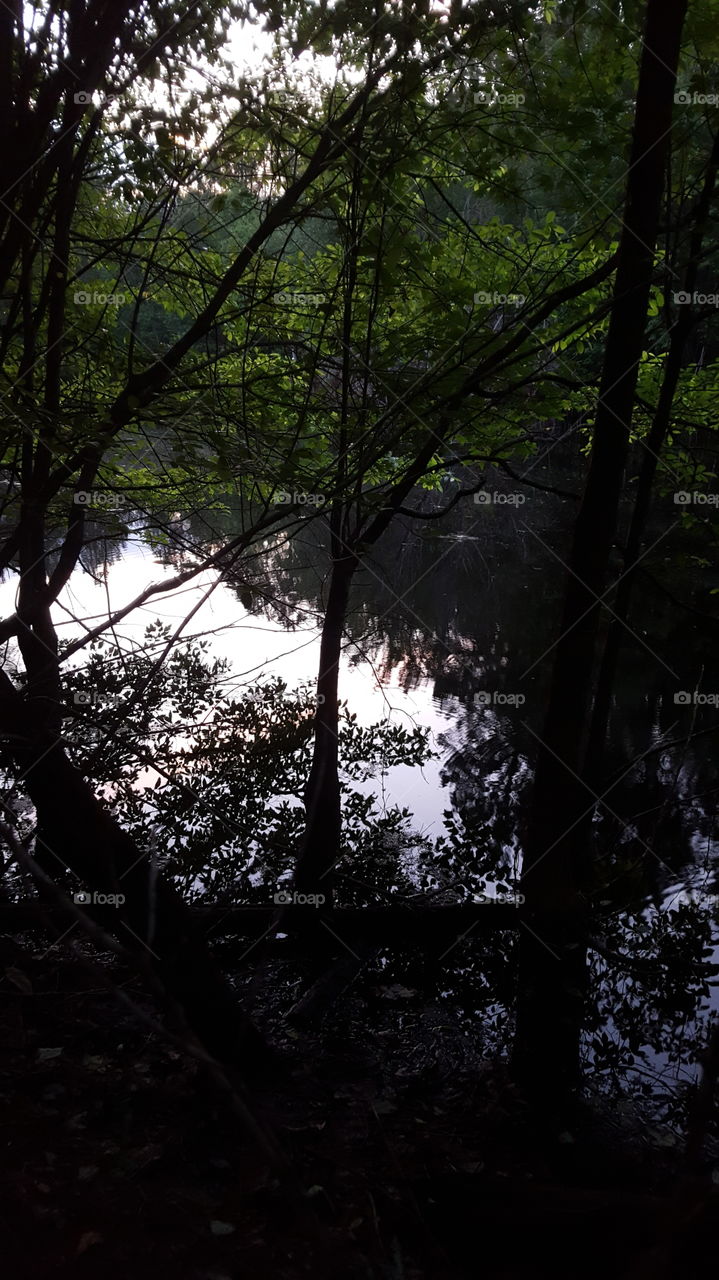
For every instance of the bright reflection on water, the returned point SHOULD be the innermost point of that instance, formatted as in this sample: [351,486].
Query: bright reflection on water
[446,611]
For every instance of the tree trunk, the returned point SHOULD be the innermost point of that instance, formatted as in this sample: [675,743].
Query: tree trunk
[321,843]
[620,608]
[652,449]
[552,970]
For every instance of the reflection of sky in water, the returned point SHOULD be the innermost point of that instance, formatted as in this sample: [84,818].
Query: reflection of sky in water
[258,646]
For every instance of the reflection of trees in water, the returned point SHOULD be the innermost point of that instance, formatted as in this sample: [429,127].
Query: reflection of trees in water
[477,606]
[646,1017]
[487,776]
[663,811]
[283,583]
[449,603]
[469,604]
[101,550]
[665,803]
[666,800]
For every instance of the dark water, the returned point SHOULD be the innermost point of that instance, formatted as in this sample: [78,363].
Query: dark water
[457,618]
[479,611]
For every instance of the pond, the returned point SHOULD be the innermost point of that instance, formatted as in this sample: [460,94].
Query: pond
[452,627]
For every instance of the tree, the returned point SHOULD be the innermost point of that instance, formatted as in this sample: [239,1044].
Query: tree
[555,872]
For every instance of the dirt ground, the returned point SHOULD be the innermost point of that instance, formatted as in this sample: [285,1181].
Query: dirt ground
[410,1155]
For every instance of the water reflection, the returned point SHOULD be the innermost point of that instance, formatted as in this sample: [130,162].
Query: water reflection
[452,625]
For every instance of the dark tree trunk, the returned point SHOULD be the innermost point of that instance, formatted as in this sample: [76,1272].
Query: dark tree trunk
[552,948]
[620,607]
[321,843]
[653,446]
